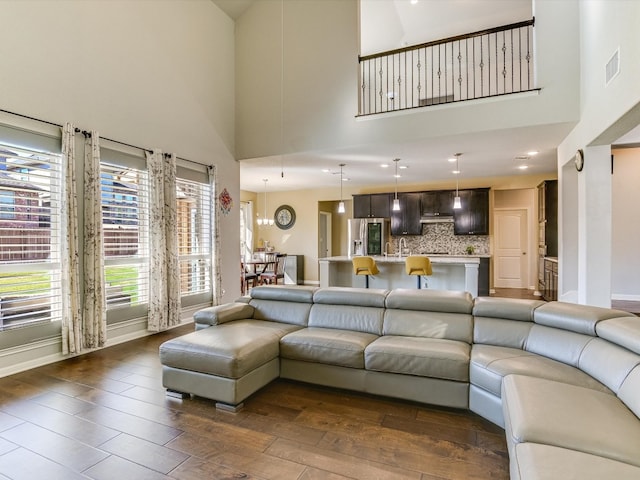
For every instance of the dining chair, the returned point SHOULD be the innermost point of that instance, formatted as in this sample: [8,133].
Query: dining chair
[246,277]
[272,275]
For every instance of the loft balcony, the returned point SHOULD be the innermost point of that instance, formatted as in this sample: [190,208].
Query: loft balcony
[488,63]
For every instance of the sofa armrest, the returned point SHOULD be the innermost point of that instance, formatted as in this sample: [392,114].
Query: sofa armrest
[221,314]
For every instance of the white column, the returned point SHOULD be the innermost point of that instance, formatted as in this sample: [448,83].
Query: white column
[471,272]
[594,228]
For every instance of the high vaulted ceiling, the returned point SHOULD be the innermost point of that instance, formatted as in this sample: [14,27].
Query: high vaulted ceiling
[486,154]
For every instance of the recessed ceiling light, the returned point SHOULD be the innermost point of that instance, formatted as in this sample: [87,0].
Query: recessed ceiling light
[523,167]
[452,159]
[403,167]
[326,170]
[533,152]
[413,2]
[455,172]
[385,165]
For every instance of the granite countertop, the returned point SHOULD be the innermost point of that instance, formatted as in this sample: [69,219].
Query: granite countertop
[437,258]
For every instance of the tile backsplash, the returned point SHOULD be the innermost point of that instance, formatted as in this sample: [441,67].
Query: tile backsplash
[439,238]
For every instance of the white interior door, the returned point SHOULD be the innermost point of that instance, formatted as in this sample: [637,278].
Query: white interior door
[511,260]
[324,234]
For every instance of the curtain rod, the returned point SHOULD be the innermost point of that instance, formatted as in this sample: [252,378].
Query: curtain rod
[86,133]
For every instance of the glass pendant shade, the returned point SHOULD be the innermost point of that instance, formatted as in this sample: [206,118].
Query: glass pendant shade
[457,204]
[341,204]
[265,221]
[396,202]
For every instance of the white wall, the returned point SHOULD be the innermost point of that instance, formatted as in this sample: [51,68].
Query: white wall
[388,25]
[607,112]
[625,256]
[154,74]
[321,82]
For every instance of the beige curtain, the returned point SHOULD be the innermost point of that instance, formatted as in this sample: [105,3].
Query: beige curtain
[94,319]
[71,317]
[216,280]
[164,271]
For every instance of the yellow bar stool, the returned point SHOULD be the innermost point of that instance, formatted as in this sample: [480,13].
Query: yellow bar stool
[365,266]
[419,266]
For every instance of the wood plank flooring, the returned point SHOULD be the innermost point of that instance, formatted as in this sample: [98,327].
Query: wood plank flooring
[105,415]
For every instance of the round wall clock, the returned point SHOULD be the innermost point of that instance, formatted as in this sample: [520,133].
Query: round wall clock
[285,217]
[579,160]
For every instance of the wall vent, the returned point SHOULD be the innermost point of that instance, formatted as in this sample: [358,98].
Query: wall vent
[612,68]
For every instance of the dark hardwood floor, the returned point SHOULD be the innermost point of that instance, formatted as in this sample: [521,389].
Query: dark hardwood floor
[105,415]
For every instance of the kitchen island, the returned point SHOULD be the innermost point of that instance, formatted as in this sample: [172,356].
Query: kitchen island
[450,272]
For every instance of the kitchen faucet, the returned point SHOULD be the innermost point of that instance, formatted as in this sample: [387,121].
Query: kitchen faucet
[386,252]
[402,240]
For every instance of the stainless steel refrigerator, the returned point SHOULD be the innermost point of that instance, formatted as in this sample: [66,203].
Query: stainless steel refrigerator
[368,236]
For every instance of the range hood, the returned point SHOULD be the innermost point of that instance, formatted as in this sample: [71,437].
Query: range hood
[436,219]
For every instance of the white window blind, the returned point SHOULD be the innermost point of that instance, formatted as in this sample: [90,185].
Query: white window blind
[194,236]
[125,222]
[30,275]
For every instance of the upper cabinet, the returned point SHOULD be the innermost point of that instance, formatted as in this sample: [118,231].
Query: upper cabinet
[406,221]
[473,217]
[375,205]
[438,203]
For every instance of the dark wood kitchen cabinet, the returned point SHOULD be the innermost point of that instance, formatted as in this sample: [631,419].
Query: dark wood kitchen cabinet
[407,220]
[473,217]
[437,203]
[374,205]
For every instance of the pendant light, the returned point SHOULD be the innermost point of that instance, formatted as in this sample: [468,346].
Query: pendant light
[396,202]
[456,201]
[341,204]
[265,221]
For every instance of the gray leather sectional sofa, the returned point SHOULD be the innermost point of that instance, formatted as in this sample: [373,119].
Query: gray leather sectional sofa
[562,379]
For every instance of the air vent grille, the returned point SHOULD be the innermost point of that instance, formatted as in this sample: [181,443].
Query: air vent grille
[613,67]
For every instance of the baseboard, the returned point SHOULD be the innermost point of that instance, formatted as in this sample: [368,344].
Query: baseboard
[624,297]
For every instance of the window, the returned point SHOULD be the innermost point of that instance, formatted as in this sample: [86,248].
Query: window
[194,236]
[125,213]
[30,272]
[246,234]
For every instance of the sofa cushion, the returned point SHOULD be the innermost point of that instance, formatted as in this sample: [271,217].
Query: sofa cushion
[562,345]
[415,323]
[489,366]
[624,331]
[424,357]
[629,391]
[222,314]
[499,332]
[543,411]
[326,345]
[285,304]
[506,308]
[229,350]
[347,317]
[364,297]
[288,293]
[574,317]
[534,461]
[446,301]
[608,363]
